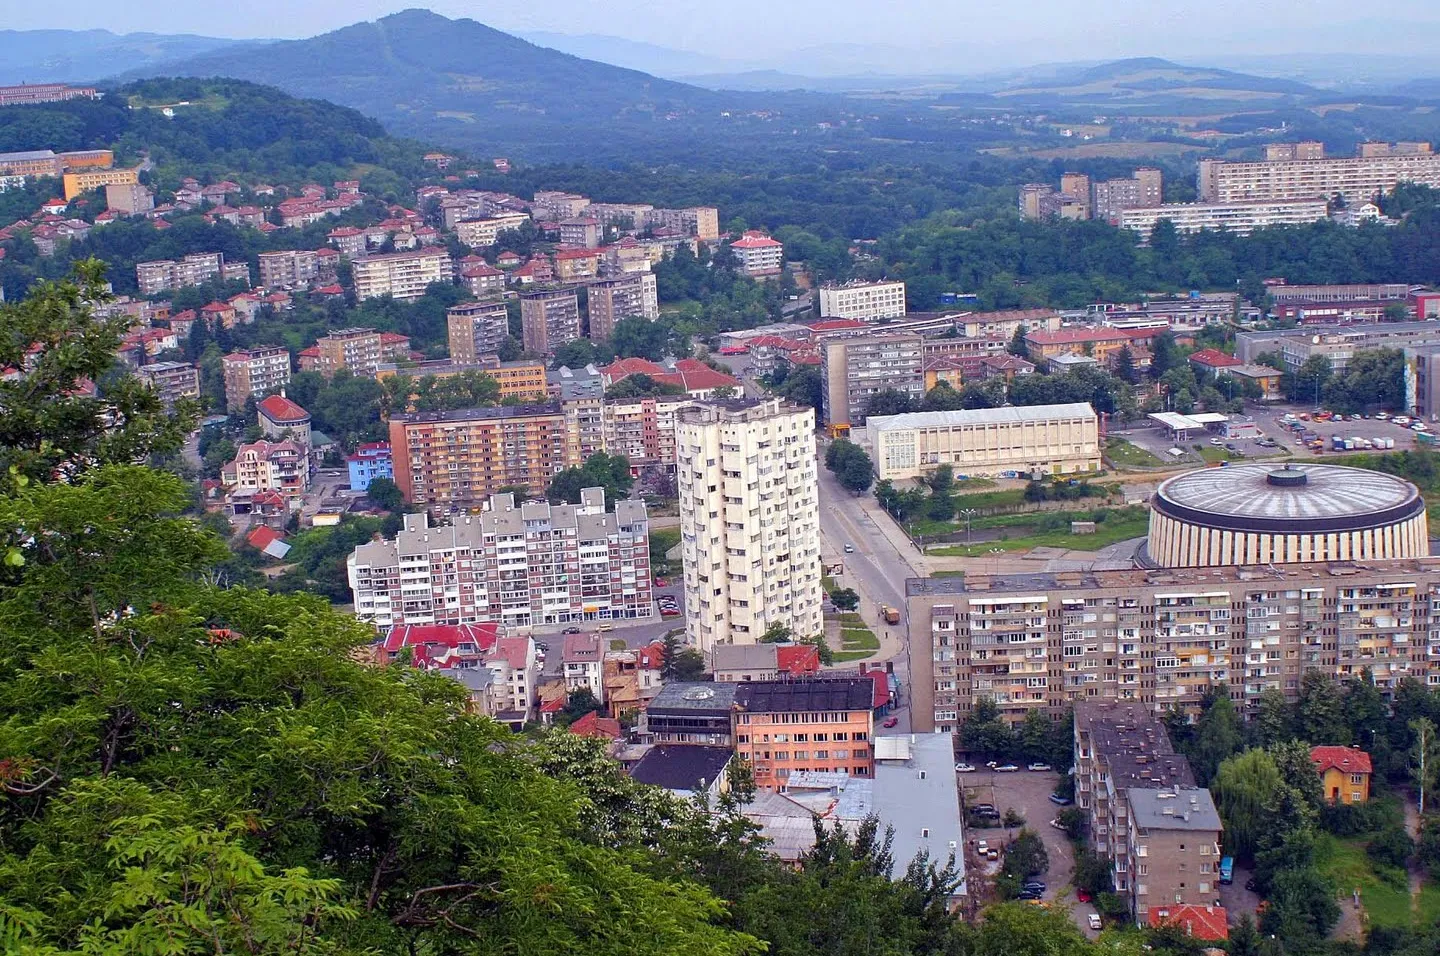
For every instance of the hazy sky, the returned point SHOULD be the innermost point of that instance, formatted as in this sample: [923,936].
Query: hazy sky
[1029,30]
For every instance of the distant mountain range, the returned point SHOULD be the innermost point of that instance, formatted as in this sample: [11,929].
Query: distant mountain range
[54,56]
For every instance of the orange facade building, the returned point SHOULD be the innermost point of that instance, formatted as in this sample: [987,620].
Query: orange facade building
[817,726]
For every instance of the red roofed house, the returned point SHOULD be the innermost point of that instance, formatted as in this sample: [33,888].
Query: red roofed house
[219,315]
[348,240]
[1213,361]
[1095,341]
[282,466]
[279,416]
[1198,922]
[694,376]
[268,541]
[632,677]
[573,264]
[593,725]
[481,277]
[508,260]
[309,359]
[758,254]
[836,325]
[439,646]
[394,347]
[1344,773]
[740,663]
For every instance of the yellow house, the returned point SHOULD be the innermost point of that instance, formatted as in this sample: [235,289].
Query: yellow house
[1344,773]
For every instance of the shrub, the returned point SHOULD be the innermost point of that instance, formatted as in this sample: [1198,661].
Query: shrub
[1391,846]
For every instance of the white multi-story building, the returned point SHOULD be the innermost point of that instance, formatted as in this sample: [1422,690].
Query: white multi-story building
[484,232]
[758,254]
[288,268]
[401,275]
[1358,178]
[254,372]
[867,301]
[518,565]
[1005,442]
[1241,217]
[749,520]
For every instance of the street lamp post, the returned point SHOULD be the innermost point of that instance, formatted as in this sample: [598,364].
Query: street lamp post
[968,513]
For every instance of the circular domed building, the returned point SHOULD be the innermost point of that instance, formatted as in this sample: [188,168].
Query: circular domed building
[1267,514]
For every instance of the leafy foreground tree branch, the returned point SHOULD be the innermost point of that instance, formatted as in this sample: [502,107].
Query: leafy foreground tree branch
[49,427]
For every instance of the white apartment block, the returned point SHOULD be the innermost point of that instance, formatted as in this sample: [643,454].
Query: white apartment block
[484,232]
[288,269]
[1357,178]
[401,275]
[758,254]
[867,301]
[749,520]
[1004,442]
[518,565]
[254,372]
[163,275]
[1241,217]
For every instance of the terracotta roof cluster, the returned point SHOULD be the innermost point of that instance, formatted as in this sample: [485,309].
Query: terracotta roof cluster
[692,375]
[1076,336]
[1214,358]
[1199,922]
[440,646]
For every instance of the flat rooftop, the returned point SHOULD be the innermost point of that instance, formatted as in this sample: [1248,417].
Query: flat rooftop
[984,416]
[1298,574]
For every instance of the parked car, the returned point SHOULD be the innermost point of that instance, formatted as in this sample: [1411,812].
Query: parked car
[1007,768]
[1217,442]
[890,722]
[1093,920]
[571,630]
[542,647]
[849,549]
[1037,886]
[982,847]
[964,768]
[1029,895]
[1060,801]
[992,764]
[985,810]
[1082,895]
[1039,767]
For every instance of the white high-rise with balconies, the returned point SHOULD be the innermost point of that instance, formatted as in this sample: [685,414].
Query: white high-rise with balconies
[749,520]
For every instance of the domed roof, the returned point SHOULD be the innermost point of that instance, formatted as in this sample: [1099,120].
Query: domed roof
[1293,499]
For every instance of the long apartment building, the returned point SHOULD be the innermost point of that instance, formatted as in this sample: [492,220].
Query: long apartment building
[854,370]
[477,233]
[254,372]
[749,520]
[165,275]
[610,300]
[1240,216]
[1311,176]
[1163,638]
[867,301]
[1158,830]
[400,275]
[476,329]
[1020,441]
[1337,343]
[520,565]
[549,318]
[289,268]
[456,460]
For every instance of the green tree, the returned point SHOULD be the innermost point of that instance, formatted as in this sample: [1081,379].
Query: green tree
[1320,709]
[777,633]
[639,338]
[984,733]
[689,665]
[1271,723]
[888,402]
[672,646]
[1243,787]
[1308,382]
[1218,734]
[386,494]
[578,703]
[205,765]
[601,470]
[50,427]
[1017,346]
[845,599]
[1125,369]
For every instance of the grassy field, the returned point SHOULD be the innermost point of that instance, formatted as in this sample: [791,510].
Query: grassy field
[1116,528]
[857,641]
[1124,453]
[662,540]
[1212,454]
[1384,891]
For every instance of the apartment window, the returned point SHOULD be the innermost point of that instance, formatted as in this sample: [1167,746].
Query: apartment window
[1143,869]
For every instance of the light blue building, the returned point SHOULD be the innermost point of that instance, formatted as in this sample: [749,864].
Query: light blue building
[370,461]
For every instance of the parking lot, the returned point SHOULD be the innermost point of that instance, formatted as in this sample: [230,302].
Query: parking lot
[1028,794]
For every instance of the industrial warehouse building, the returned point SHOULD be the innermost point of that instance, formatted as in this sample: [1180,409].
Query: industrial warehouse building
[1005,442]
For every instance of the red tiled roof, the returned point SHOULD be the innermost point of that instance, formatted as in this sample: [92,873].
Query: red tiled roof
[593,725]
[1346,759]
[393,338]
[632,366]
[568,254]
[480,270]
[1073,336]
[333,289]
[483,636]
[263,536]
[797,659]
[754,241]
[313,350]
[217,307]
[1214,358]
[832,325]
[1200,922]
[694,375]
[553,706]
[278,408]
[515,651]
